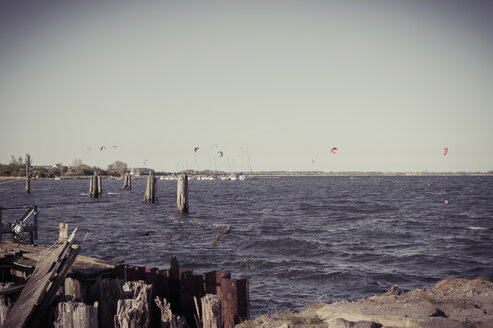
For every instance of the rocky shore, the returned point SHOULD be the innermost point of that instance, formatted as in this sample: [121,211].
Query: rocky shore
[451,303]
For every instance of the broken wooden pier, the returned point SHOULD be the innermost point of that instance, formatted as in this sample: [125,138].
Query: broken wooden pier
[55,287]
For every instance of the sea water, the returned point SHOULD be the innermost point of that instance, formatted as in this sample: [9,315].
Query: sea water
[297,239]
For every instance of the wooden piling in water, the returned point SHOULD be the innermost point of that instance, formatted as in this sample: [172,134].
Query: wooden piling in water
[182,194]
[95,186]
[28,173]
[127,181]
[151,190]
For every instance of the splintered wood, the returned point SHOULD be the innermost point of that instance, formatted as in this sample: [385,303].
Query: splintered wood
[211,311]
[168,319]
[40,290]
[134,310]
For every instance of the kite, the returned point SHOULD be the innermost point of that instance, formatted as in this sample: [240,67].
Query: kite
[102,147]
[220,153]
[333,150]
[445,151]
[195,149]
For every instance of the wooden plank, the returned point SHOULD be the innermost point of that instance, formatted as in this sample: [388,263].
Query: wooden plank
[83,265]
[11,289]
[39,292]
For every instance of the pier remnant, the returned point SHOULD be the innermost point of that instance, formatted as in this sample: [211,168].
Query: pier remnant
[151,190]
[76,314]
[211,311]
[41,288]
[28,173]
[168,319]
[134,309]
[95,186]
[62,232]
[182,194]
[127,181]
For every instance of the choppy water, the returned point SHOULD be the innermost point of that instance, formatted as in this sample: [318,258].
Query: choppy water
[297,239]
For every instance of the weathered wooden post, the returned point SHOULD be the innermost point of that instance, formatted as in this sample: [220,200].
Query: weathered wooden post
[35,221]
[211,311]
[28,173]
[133,310]
[76,314]
[62,232]
[182,194]
[151,190]
[168,319]
[127,181]
[95,186]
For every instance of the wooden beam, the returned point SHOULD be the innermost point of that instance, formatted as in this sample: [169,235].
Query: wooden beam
[40,290]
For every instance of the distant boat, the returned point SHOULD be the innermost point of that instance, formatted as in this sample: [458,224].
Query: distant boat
[168,177]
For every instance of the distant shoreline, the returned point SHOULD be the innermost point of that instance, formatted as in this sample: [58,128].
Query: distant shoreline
[369,174]
[280,174]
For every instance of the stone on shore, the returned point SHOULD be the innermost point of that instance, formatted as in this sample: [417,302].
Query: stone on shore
[451,303]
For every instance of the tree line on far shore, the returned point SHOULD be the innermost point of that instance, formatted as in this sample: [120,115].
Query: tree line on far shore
[17,168]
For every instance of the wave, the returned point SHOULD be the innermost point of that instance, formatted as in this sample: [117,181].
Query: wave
[476,228]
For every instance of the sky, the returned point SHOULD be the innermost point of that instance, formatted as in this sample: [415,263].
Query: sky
[274,85]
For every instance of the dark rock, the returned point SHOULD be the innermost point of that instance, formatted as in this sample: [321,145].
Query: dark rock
[439,313]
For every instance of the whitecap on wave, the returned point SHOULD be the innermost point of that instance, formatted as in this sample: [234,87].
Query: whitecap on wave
[476,228]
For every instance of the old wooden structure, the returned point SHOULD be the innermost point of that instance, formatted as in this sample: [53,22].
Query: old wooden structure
[151,189]
[98,293]
[40,290]
[28,174]
[182,194]
[127,181]
[95,186]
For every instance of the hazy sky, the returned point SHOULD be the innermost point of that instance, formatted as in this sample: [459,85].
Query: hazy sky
[389,83]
